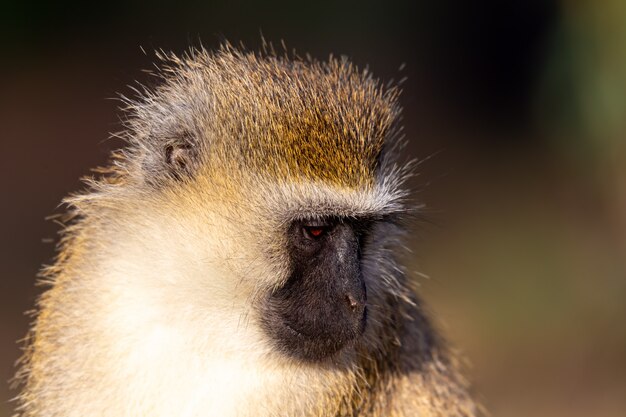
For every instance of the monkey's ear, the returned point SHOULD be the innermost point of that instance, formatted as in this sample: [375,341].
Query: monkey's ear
[169,157]
[179,156]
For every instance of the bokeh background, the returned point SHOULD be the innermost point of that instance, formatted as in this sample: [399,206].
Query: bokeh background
[517,109]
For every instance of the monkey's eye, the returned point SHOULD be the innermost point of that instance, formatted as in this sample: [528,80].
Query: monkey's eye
[315,232]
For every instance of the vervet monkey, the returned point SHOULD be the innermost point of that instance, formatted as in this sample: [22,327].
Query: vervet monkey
[238,257]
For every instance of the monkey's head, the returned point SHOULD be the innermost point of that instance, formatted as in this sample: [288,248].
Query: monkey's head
[265,189]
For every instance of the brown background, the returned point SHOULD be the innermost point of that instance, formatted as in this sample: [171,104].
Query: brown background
[522,104]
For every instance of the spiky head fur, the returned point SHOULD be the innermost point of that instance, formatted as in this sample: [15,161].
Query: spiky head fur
[151,310]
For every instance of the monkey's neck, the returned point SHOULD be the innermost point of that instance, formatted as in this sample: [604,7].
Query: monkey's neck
[126,352]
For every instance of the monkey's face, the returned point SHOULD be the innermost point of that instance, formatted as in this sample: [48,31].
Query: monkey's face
[322,306]
[270,170]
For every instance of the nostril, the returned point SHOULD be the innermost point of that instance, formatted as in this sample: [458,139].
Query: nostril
[352,302]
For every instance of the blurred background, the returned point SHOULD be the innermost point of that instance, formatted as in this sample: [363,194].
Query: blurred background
[518,109]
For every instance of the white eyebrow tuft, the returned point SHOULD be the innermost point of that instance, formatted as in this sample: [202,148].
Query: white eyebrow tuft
[313,199]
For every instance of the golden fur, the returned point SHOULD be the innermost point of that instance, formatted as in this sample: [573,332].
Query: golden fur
[150,310]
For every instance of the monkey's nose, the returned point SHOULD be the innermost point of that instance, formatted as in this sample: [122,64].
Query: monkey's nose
[355,297]
[355,310]
[353,304]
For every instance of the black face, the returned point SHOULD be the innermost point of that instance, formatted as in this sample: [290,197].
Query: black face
[322,306]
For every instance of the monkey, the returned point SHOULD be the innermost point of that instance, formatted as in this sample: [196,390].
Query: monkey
[239,256]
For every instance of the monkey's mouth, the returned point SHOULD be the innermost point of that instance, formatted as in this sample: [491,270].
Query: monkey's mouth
[317,338]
